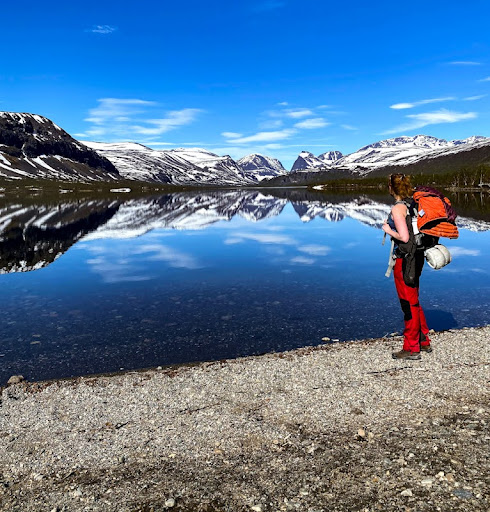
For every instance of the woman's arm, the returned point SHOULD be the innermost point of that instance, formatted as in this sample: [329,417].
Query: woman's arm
[399,213]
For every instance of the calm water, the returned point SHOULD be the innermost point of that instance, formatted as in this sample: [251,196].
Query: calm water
[102,285]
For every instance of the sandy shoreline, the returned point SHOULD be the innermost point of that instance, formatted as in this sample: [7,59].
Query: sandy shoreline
[340,427]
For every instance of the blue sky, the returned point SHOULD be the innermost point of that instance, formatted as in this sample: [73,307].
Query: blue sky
[269,76]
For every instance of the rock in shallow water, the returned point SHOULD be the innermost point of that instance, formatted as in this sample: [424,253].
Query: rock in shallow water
[15,379]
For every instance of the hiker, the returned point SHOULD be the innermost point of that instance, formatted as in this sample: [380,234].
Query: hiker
[416,332]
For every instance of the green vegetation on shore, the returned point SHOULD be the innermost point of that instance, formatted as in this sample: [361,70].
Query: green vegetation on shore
[467,178]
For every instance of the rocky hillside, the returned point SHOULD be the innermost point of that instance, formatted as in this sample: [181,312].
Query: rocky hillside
[32,146]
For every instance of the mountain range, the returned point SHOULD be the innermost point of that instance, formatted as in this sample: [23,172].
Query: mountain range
[390,152]
[32,146]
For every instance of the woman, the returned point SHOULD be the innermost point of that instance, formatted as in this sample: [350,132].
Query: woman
[416,332]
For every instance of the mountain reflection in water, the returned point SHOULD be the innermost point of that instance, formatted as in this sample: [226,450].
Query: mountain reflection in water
[211,275]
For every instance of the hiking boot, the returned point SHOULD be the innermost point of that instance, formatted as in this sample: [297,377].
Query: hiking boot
[405,354]
[426,348]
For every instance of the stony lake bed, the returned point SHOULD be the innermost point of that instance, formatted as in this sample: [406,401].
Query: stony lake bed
[339,427]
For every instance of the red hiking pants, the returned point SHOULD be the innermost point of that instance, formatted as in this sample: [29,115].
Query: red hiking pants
[416,332]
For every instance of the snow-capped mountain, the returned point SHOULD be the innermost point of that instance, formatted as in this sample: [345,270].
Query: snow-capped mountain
[182,166]
[32,146]
[403,151]
[307,160]
[262,166]
[390,152]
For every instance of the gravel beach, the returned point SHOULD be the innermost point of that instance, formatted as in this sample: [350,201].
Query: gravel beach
[341,427]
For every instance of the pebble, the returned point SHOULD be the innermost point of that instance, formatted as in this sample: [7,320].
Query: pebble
[15,379]
[427,482]
[170,503]
[407,492]
[257,508]
[463,494]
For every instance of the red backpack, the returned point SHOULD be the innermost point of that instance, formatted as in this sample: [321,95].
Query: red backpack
[435,215]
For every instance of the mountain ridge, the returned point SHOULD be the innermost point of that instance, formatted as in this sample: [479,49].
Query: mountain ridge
[32,146]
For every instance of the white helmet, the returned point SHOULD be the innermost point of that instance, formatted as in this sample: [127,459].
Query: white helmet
[438,256]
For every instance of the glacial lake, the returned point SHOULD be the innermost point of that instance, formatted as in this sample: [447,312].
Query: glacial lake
[101,285]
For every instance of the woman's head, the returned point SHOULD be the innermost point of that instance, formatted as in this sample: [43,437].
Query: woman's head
[400,185]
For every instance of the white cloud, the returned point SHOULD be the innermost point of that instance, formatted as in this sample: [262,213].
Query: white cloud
[474,98]
[487,79]
[465,63]
[271,124]
[298,113]
[173,120]
[283,104]
[231,135]
[113,108]
[401,106]
[311,124]
[430,118]
[129,118]
[348,127]
[265,137]
[102,29]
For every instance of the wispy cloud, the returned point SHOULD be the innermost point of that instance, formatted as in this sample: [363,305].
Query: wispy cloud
[401,106]
[173,120]
[129,118]
[465,63]
[487,79]
[348,127]
[430,118]
[474,98]
[298,113]
[102,29]
[232,135]
[311,124]
[265,136]
[271,124]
